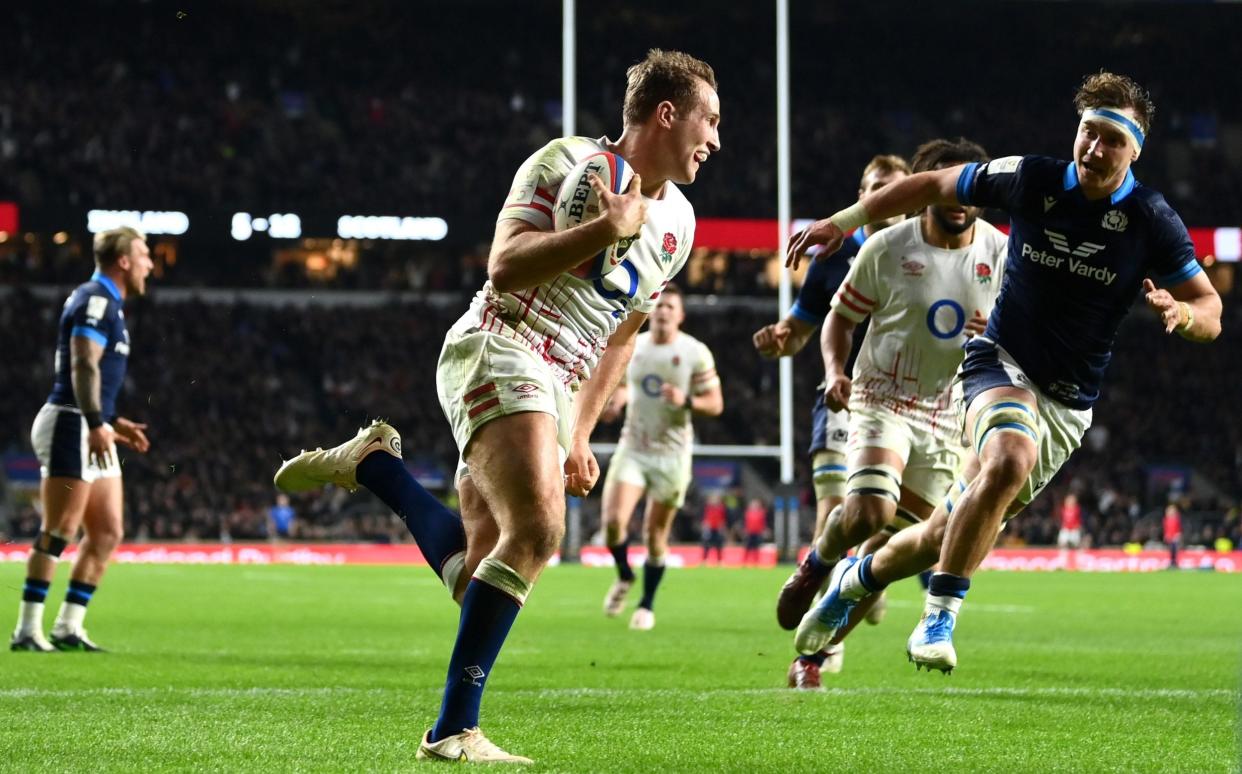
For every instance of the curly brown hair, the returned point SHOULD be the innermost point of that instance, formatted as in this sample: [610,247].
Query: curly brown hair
[1105,89]
[663,75]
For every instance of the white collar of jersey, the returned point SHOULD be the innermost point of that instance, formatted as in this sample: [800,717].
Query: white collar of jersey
[1070,182]
[108,284]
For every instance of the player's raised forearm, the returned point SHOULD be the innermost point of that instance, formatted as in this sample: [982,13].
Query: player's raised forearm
[912,194]
[523,257]
[835,341]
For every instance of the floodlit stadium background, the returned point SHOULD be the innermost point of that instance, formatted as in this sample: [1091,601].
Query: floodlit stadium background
[319,188]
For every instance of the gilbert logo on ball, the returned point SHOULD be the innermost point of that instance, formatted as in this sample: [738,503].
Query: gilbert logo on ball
[577,203]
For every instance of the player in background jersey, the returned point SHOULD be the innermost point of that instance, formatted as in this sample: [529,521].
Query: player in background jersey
[671,377]
[1172,528]
[829,429]
[1070,534]
[926,285]
[1086,239]
[524,374]
[75,436]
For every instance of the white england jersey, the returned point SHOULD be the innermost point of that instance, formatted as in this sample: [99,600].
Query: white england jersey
[651,424]
[919,298]
[568,320]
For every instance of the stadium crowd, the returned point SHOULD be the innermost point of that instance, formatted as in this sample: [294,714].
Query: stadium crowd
[294,110]
[228,388]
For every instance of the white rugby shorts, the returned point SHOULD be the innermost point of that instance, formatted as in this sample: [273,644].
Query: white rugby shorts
[59,436]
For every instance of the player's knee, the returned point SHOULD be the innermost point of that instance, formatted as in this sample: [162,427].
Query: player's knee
[104,540]
[541,539]
[1008,468]
[865,513]
[50,543]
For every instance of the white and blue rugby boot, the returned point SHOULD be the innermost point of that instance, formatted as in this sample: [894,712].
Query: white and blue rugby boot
[931,643]
[828,615]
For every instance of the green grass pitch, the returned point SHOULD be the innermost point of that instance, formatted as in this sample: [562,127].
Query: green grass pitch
[339,669]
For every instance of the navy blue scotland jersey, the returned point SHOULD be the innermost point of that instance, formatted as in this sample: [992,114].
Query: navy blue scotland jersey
[1075,267]
[93,310]
[812,306]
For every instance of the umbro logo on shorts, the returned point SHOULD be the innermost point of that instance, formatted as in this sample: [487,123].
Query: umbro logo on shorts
[526,388]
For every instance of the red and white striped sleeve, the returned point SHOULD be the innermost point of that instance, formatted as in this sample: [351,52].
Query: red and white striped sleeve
[856,298]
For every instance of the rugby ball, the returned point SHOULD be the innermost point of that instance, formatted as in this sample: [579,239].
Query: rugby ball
[577,203]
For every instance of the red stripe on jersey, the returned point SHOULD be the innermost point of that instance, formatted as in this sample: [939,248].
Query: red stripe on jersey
[853,291]
[534,206]
[704,376]
[479,391]
[546,195]
[841,297]
[484,406]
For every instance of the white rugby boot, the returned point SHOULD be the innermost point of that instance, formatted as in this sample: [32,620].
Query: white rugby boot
[338,465]
[470,746]
[931,643]
[614,602]
[828,615]
[643,620]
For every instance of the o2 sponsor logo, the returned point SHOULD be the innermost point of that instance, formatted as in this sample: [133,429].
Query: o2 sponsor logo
[946,319]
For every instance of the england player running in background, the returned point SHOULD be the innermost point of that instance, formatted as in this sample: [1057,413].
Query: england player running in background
[829,429]
[671,376]
[926,286]
[74,437]
[524,374]
[1086,238]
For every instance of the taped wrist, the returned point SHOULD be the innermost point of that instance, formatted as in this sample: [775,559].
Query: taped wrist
[1186,309]
[850,218]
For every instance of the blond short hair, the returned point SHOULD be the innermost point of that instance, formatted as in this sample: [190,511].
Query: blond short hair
[110,245]
[886,164]
[663,75]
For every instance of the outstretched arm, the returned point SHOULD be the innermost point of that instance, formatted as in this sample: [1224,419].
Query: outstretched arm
[911,194]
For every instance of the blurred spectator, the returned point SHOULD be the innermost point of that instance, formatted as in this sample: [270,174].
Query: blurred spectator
[715,519]
[280,519]
[756,526]
[1172,532]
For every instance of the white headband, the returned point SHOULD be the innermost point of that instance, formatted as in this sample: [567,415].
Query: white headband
[1115,117]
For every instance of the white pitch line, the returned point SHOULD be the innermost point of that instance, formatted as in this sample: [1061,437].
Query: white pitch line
[670,693]
[980,607]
